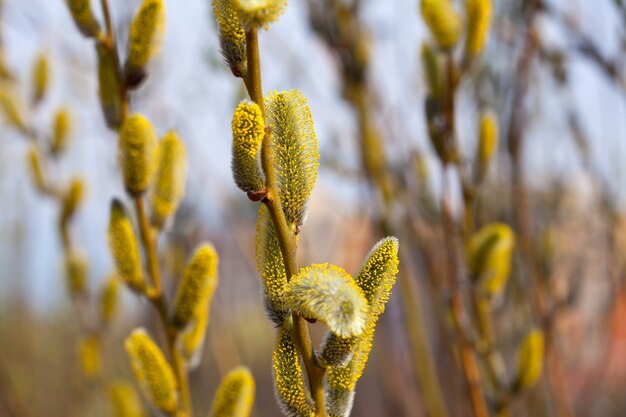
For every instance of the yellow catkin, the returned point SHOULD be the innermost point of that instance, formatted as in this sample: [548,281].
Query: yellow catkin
[294,151]
[89,353]
[12,107]
[169,181]
[259,13]
[76,271]
[291,392]
[232,37]
[235,395]
[152,371]
[197,286]
[248,129]
[271,267]
[443,21]
[432,69]
[83,17]
[487,141]
[530,360]
[124,248]
[478,14]
[109,299]
[328,293]
[109,87]
[72,198]
[191,340]
[34,165]
[125,401]
[137,153]
[489,255]
[146,33]
[61,130]
[40,77]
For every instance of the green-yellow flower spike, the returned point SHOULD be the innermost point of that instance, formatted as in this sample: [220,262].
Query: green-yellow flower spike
[530,360]
[271,266]
[76,271]
[197,285]
[259,13]
[191,340]
[443,21]
[61,130]
[34,164]
[125,401]
[138,153]
[487,142]
[294,151]
[124,248]
[169,181]
[109,87]
[109,299]
[328,293]
[432,69]
[293,396]
[12,108]
[478,14]
[490,254]
[152,372]
[248,132]
[89,353]
[83,17]
[40,77]
[343,379]
[72,199]
[146,34]
[232,37]
[235,395]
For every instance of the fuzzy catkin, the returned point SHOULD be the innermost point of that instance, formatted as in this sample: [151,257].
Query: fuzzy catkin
[191,340]
[152,371]
[478,14]
[487,141]
[530,359]
[40,77]
[169,180]
[83,17]
[232,37]
[34,164]
[12,108]
[61,130]
[443,21]
[72,199]
[197,285]
[124,248]
[146,34]
[235,395]
[137,153]
[248,129]
[125,401]
[489,255]
[109,299]
[109,87]
[76,271]
[89,353]
[259,13]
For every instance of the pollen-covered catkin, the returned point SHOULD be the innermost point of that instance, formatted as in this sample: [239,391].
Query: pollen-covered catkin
[61,130]
[137,153]
[169,181]
[443,21]
[487,141]
[125,401]
[191,340]
[40,77]
[328,293]
[146,34]
[294,151]
[124,248]
[197,285]
[89,353]
[34,163]
[235,395]
[76,271]
[83,17]
[109,299]
[489,256]
[259,13]
[232,37]
[152,372]
[293,396]
[248,129]
[478,14]
[109,87]
[530,360]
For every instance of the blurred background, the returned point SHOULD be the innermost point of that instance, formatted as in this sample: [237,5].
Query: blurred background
[553,71]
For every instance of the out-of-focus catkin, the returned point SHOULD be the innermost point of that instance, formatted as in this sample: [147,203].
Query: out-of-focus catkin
[191,340]
[40,77]
[489,255]
[443,21]
[197,285]
[432,69]
[109,299]
[83,17]
[125,401]
[72,199]
[89,353]
[146,34]
[12,107]
[478,14]
[34,164]
[232,37]
[248,129]
[137,153]
[487,142]
[61,130]
[109,87]
[124,248]
[152,372]
[169,182]
[259,13]
[76,271]
[235,395]
[530,360]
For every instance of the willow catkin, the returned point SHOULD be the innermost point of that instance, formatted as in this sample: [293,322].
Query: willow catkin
[197,286]
[34,165]
[478,15]
[109,299]
[530,360]
[124,248]
[125,401]
[61,130]
[109,87]
[443,21]
[248,129]
[40,77]
[232,37]
[72,199]
[89,354]
[169,181]
[137,153]
[152,371]
[146,34]
[487,141]
[235,395]
[83,17]
[12,107]
[76,271]
[489,255]
[259,13]
[432,69]
[191,340]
